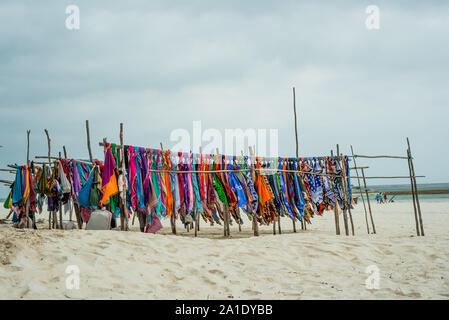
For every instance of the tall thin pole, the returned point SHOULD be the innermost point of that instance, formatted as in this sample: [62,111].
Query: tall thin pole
[412,169]
[60,206]
[28,147]
[88,141]
[70,199]
[360,189]
[49,163]
[253,177]
[122,196]
[297,147]
[27,205]
[337,221]
[367,199]
[348,200]
[345,216]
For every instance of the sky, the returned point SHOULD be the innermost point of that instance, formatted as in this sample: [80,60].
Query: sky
[158,66]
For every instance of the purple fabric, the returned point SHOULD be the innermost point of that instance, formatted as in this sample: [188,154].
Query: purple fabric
[108,169]
[145,175]
[24,182]
[52,204]
[76,180]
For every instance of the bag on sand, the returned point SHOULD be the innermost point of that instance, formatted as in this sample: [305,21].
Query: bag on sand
[99,220]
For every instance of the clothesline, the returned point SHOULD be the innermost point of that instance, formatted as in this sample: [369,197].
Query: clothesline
[101,144]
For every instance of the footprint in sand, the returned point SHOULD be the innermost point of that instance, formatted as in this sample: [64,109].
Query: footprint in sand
[251,292]
[216,272]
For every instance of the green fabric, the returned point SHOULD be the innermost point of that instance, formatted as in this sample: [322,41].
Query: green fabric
[42,184]
[6,203]
[94,199]
[114,200]
[220,190]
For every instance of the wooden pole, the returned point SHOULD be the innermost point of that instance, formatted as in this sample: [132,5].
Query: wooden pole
[123,173]
[226,224]
[70,200]
[60,207]
[337,221]
[367,200]
[360,189]
[297,146]
[345,216]
[88,141]
[27,206]
[413,196]
[28,147]
[419,228]
[253,177]
[279,224]
[412,169]
[49,163]
[348,200]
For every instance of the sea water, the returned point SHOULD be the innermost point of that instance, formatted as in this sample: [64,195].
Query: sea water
[407,187]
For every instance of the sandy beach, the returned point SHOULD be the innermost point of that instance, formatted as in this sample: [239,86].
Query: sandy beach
[312,264]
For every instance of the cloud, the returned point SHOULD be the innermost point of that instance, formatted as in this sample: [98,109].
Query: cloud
[157,66]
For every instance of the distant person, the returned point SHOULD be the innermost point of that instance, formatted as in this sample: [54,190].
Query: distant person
[385,197]
[381,198]
[377,198]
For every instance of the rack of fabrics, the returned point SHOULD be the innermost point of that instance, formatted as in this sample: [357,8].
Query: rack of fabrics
[58,182]
[219,189]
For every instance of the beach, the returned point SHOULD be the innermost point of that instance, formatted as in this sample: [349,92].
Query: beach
[311,264]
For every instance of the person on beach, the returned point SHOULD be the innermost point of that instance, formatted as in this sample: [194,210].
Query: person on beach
[377,197]
[385,198]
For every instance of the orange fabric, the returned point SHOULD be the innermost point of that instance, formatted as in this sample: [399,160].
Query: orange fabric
[111,187]
[262,189]
[169,198]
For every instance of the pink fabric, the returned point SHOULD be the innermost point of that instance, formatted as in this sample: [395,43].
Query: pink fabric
[190,185]
[132,171]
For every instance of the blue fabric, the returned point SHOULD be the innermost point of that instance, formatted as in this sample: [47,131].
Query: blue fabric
[140,200]
[284,192]
[84,193]
[237,189]
[196,190]
[348,181]
[300,202]
[17,195]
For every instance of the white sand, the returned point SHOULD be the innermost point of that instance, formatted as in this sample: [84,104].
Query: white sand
[312,264]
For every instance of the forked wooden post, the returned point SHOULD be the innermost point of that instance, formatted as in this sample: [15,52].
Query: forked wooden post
[415,190]
[297,146]
[70,200]
[122,197]
[348,198]
[360,189]
[226,228]
[60,205]
[337,221]
[27,206]
[172,217]
[345,216]
[253,177]
[50,213]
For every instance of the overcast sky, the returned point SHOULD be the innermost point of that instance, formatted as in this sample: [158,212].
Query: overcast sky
[159,65]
